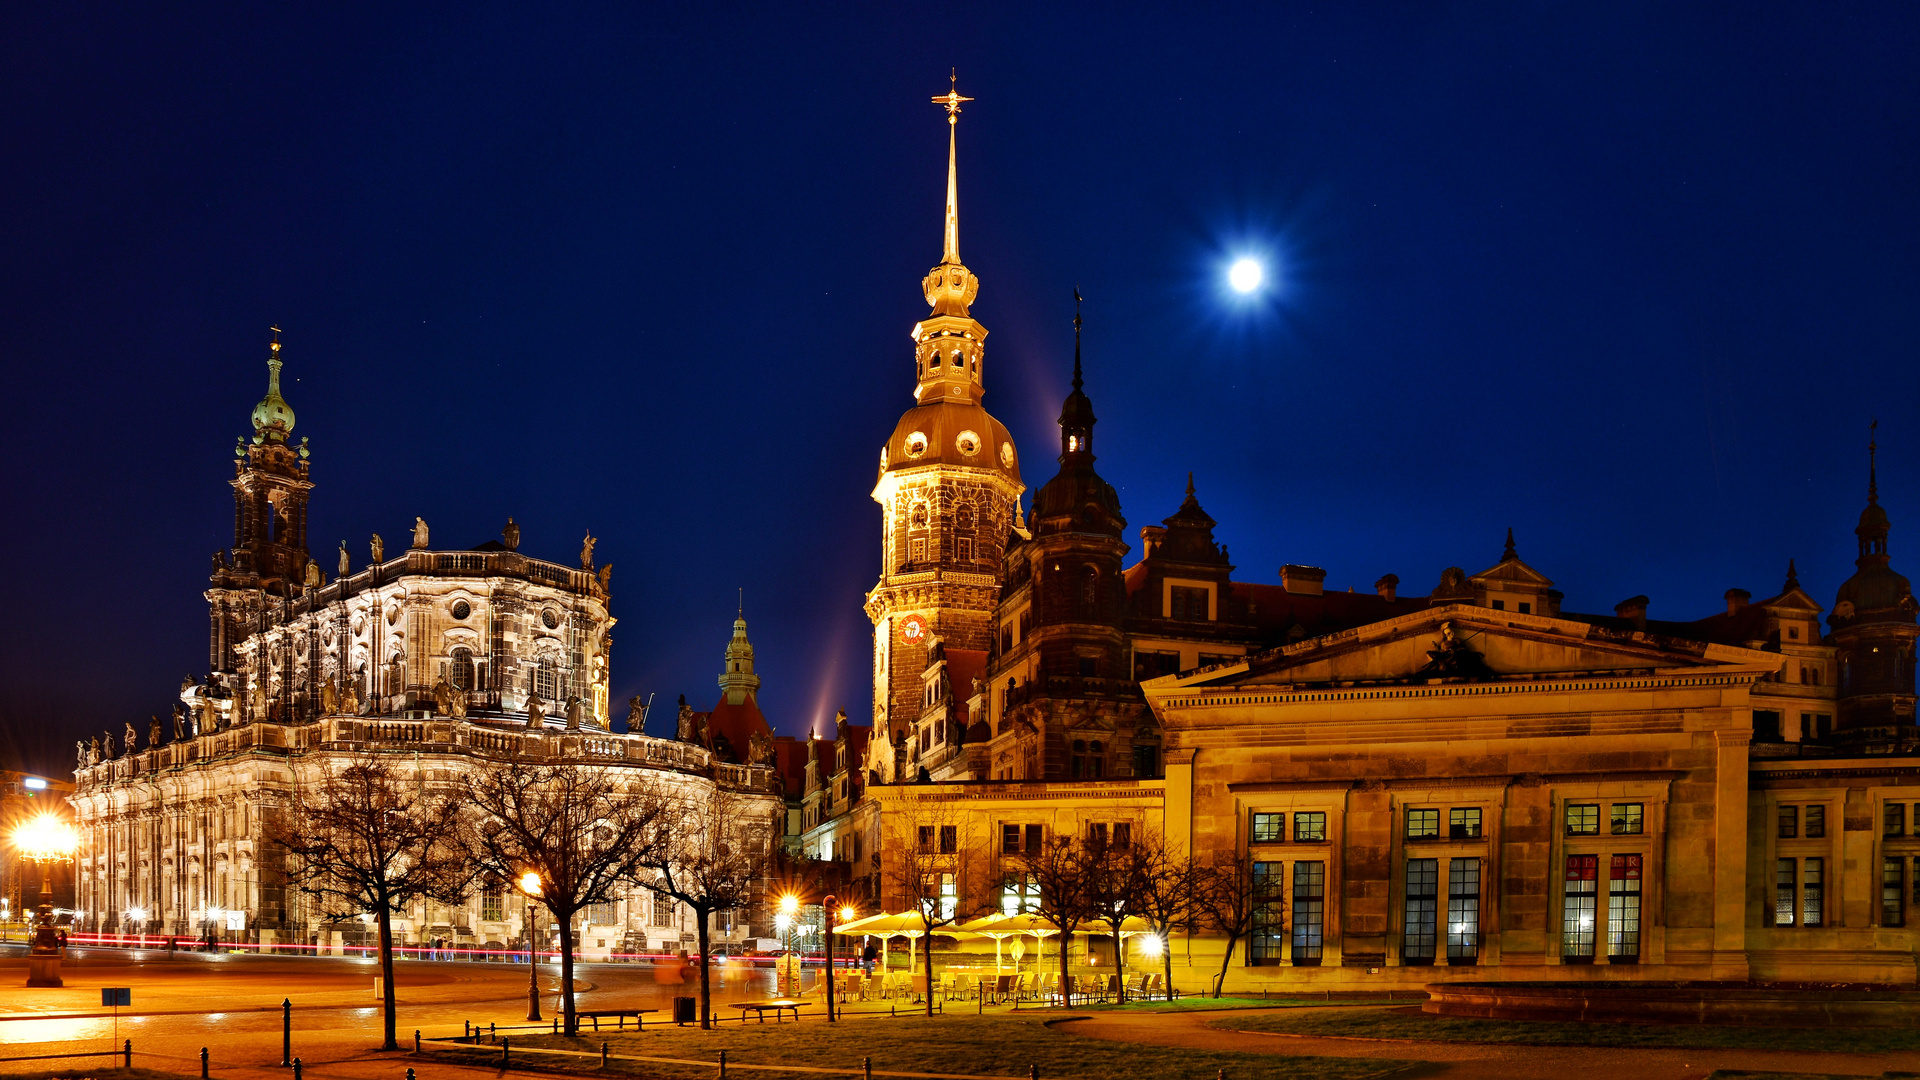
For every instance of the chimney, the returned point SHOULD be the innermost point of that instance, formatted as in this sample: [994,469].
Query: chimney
[1737,600]
[1150,539]
[1302,580]
[1634,610]
[1386,586]
[1554,596]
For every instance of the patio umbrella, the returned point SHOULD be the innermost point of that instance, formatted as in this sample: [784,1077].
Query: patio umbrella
[907,924]
[1020,924]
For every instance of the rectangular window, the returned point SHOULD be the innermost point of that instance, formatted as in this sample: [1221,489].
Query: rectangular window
[1009,839]
[665,911]
[1628,818]
[1187,602]
[1499,605]
[1623,909]
[1152,665]
[1463,911]
[1816,822]
[963,549]
[1577,910]
[1269,913]
[1766,725]
[1026,624]
[949,839]
[1583,819]
[1269,828]
[1463,823]
[1422,824]
[1006,638]
[926,838]
[1423,885]
[1097,835]
[1036,836]
[1309,912]
[1526,607]
[1123,834]
[917,551]
[603,914]
[1785,872]
[1812,891]
[1789,822]
[1896,820]
[492,905]
[1310,827]
[1893,896]
[1146,760]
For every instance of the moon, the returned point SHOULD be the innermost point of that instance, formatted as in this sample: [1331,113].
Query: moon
[1245,275]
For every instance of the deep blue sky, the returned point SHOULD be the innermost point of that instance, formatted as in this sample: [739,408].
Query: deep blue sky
[1629,278]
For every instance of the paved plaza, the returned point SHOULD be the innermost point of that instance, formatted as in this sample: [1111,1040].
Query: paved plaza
[230,1003]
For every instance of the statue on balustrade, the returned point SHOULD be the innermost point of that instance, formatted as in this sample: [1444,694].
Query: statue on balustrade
[420,533]
[346,564]
[536,711]
[511,536]
[379,550]
[93,753]
[442,698]
[313,580]
[329,697]
[586,552]
[636,716]
[106,745]
[350,699]
[153,732]
[80,754]
[179,722]
[760,749]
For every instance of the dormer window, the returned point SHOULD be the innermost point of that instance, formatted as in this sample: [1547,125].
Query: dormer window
[1793,633]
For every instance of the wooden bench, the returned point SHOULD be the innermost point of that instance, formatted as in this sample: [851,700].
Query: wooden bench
[620,1015]
[778,1006]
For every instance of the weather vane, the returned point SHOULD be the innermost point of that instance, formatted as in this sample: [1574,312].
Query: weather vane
[952,99]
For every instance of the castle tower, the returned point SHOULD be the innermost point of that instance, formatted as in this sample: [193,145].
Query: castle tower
[269,555]
[1873,623]
[948,488]
[737,680]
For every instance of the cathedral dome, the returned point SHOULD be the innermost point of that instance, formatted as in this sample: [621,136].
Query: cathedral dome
[1876,589]
[950,433]
[1078,500]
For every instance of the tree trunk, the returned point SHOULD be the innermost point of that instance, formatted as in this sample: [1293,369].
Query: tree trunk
[1232,939]
[929,947]
[569,1023]
[1120,963]
[1066,973]
[1166,958]
[706,989]
[386,977]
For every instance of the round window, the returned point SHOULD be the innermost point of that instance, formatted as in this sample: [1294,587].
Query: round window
[1006,455]
[916,444]
[968,443]
[550,619]
[461,609]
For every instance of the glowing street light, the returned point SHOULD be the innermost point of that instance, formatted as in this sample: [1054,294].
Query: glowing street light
[46,840]
[529,889]
[1246,275]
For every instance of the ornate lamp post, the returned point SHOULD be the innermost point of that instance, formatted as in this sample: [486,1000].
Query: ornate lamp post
[530,888]
[826,914]
[45,840]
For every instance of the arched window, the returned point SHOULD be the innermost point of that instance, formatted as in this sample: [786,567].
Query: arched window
[1089,586]
[546,679]
[396,674]
[460,669]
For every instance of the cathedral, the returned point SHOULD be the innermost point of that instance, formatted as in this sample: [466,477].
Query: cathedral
[448,659]
[1477,776]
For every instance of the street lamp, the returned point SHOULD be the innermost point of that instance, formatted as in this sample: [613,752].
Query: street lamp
[529,889]
[45,840]
[826,914]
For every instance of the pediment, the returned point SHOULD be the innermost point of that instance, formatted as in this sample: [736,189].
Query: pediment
[1513,572]
[1466,643]
[1794,599]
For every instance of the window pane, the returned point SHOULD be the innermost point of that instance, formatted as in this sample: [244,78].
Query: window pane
[1893,899]
[1784,875]
[1627,819]
[1269,913]
[1896,822]
[1010,839]
[1269,828]
[1463,911]
[1576,922]
[1623,908]
[1463,823]
[1423,883]
[1812,891]
[1422,824]
[1816,821]
[1789,822]
[1309,911]
[1310,827]
[1583,819]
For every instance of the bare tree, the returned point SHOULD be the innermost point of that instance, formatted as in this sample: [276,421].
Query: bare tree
[368,840]
[716,853]
[1110,873]
[585,829]
[1230,898]
[1058,870]
[1168,893]
[930,861]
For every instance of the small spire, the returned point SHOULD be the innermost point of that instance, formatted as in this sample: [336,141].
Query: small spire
[740,606]
[1076,338]
[1509,554]
[1873,472]
[1189,483]
[1793,578]
[952,99]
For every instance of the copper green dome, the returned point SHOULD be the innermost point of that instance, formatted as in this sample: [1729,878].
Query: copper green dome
[273,417]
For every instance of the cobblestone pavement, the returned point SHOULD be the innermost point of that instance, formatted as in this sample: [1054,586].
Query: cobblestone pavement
[1481,1061]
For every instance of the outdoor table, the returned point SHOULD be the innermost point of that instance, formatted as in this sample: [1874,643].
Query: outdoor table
[621,1015]
[761,1007]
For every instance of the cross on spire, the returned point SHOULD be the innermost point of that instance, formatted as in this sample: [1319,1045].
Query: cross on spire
[1873,447]
[952,99]
[1076,338]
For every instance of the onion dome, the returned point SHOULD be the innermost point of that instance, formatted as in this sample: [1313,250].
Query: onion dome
[1077,499]
[1876,592]
[273,417]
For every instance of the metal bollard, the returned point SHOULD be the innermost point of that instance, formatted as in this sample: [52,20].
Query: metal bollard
[203,1063]
[409,1072]
[603,1055]
[492,1032]
[556,1025]
[286,1031]
[296,1069]
[723,1064]
[506,1050]
[466,1030]
[129,1053]
[866,1067]
[416,1042]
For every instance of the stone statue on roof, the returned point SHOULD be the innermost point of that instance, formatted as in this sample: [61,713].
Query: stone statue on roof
[80,753]
[93,752]
[379,547]
[636,716]
[106,744]
[606,577]
[442,698]
[153,732]
[420,533]
[586,551]
[759,749]
[329,697]
[536,711]
[313,574]
[179,722]
[511,536]
[346,564]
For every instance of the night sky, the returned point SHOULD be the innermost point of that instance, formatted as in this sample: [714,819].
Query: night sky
[1632,279]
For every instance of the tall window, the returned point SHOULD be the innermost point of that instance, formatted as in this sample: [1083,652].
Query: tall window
[1010,839]
[1785,871]
[460,669]
[917,550]
[1623,909]
[1122,835]
[963,548]
[1097,835]
[605,914]
[1463,823]
[1187,602]
[546,679]
[949,839]
[1893,899]
[1018,893]
[492,903]
[666,912]
[1146,760]
[1309,911]
[1463,911]
[1812,891]
[1577,911]
[1423,824]
[1036,837]
[1816,822]
[1423,884]
[1269,913]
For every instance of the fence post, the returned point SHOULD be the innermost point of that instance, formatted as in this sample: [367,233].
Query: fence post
[556,1025]
[506,1050]
[866,1067]
[286,1031]
[296,1069]
[203,1063]
[723,1062]
[416,1041]
[409,1072]
[603,1055]
[129,1053]
[493,1031]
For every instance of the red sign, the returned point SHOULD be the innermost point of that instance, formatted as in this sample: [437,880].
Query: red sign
[913,629]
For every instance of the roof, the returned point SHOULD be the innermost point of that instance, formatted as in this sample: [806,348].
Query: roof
[942,426]
[737,724]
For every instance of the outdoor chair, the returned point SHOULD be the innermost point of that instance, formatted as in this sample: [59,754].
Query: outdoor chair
[1136,986]
[853,986]
[1026,987]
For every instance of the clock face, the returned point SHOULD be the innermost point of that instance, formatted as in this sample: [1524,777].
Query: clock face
[913,629]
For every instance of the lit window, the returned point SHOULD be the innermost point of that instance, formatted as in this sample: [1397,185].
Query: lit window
[1269,828]
[1422,824]
[1784,876]
[1463,911]
[1623,909]
[1420,936]
[1627,819]
[1269,913]
[1310,827]
[1309,912]
[1583,819]
[1577,910]
[1812,891]
[1463,823]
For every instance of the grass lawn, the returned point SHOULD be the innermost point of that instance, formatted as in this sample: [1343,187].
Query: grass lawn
[1401,1024]
[974,1045]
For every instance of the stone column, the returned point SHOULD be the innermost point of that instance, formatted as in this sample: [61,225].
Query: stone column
[1525,872]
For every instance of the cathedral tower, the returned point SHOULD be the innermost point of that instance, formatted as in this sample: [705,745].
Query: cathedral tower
[269,555]
[1873,623]
[948,488]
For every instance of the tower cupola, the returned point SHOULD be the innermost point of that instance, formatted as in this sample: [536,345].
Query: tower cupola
[272,417]
[737,678]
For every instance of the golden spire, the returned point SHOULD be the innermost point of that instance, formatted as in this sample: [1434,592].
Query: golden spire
[952,99]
